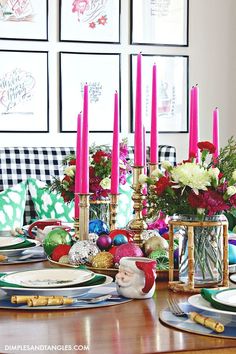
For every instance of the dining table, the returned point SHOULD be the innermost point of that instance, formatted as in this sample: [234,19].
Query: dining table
[129,328]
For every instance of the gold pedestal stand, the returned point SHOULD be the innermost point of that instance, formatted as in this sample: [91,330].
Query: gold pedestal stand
[190,286]
[84,216]
[137,225]
[113,210]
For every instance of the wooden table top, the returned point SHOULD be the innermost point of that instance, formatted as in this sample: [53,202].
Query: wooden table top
[130,328]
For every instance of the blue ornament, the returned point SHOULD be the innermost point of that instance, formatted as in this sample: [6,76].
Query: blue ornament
[120,240]
[98,227]
[232,254]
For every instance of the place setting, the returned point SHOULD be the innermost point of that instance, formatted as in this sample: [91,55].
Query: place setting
[53,289]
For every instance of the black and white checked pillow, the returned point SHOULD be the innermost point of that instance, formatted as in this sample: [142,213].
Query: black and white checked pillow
[44,163]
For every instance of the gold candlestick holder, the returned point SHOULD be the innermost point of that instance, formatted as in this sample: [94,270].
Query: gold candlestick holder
[152,167]
[84,216]
[76,227]
[113,210]
[138,224]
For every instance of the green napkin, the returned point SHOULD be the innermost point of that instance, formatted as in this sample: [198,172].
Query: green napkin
[96,280]
[24,244]
[207,295]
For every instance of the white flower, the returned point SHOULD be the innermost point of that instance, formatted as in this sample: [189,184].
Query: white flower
[156,173]
[191,175]
[231,191]
[214,172]
[142,178]
[166,165]
[200,211]
[234,175]
[70,171]
[105,183]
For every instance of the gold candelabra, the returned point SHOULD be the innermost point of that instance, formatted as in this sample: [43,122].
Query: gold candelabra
[152,167]
[138,224]
[113,210]
[84,216]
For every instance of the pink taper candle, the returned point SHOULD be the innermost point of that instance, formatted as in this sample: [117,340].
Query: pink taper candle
[115,173]
[85,146]
[138,133]
[144,150]
[216,132]
[154,117]
[190,152]
[78,165]
[195,122]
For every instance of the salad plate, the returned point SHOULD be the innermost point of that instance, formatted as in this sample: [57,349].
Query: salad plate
[48,278]
[18,251]
[6,241]
[70,291]
[226,297]
[200,303]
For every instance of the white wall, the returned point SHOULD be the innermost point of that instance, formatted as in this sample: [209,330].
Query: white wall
[212,64]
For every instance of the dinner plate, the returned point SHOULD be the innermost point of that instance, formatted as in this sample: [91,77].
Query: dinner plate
[16,252]
[6,241]
[233,278]
[48,278]
[200,303]
[73,291]
[226,297]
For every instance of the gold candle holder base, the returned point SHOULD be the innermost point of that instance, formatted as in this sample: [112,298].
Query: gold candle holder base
[84,216]
[138,224]
[113,210]
[152,167]
[76,226]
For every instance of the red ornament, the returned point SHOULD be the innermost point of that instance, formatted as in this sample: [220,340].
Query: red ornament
[113,250]
[165,236]
[59,251]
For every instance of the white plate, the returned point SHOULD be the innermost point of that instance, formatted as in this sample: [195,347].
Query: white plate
[16,252]
[233,278]
[226,297]
[48,278]
[9,241]
[200,303]
[73,291]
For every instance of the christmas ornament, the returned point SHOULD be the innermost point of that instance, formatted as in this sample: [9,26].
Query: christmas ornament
[113,250]
[98,227]
[146,234]
[127,250]
[64,259]
[103,260]
[155,242]
[92,237]
[59,251]
[104,242]
[232,254]
[82,252]
[128,234]
[54,238]
[119,240]
[161,257]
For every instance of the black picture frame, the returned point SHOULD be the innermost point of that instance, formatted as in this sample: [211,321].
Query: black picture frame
[159,22]
[24,21]
[101,71]
[90,23]
[171,92]
[24,104]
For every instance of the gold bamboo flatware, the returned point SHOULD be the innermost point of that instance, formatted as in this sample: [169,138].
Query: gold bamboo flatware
[194,316]
[34,301]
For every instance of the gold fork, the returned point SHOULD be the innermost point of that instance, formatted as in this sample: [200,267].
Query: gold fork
[194,316]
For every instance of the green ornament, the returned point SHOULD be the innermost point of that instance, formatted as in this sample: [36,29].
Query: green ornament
[161,257]
[54,238]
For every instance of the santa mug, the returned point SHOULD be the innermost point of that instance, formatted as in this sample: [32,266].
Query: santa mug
[136,277]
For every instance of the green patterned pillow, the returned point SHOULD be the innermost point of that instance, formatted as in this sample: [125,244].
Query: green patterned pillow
[47,204]
[51,205]
[12,207]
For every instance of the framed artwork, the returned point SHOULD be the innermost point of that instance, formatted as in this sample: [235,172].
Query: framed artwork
[159,22]
[23,91]
[24,19]
[90,21]
[102,74]
[172,92]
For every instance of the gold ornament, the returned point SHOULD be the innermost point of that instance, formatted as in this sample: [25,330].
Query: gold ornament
[103,260]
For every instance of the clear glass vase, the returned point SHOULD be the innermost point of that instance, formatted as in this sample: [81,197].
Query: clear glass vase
[99,209]
[208,251]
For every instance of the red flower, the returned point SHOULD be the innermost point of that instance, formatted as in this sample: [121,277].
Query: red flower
[72,162]
[214,202]
[196,200]
[161,185]
[67,179]
[233,200]
[206,145]
[102,20]
[97,157]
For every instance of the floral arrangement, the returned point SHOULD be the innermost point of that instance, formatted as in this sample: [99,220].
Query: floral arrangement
[99,172]
[191,187]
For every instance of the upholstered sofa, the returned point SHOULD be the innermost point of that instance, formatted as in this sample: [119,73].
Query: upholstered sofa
[43,164]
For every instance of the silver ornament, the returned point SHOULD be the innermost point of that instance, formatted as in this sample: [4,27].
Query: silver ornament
[146,234]
[82,252]
[92,237]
